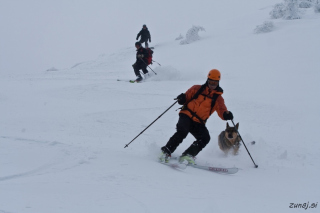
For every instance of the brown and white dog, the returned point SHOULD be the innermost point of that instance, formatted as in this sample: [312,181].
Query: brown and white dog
[229,139]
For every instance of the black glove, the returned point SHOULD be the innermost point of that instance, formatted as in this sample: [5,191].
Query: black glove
[228,116]
[150,41]
[181,99]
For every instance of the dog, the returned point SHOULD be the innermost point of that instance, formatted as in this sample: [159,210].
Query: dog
[229,139]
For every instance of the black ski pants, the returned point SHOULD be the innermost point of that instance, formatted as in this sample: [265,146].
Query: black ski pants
[140,66]
[184,126]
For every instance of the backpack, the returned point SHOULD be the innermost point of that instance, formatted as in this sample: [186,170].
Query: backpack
[196,95]
[149,57]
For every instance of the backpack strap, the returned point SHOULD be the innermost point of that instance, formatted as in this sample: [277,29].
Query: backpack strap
[214,98]
[196,95]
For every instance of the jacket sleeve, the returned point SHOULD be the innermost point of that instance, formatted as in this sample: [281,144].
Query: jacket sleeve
[137,59]
[220,107]
[138,35]
[191,92]
[145,53]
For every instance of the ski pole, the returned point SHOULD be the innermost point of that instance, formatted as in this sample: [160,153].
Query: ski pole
[156,62]
[255,165]
[150,125]
[148,65]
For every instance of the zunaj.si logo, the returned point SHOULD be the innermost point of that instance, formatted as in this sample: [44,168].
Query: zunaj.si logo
[303,205]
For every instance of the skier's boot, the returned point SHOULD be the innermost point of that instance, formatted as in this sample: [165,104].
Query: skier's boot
[139,78]
[188,158]
[164,156]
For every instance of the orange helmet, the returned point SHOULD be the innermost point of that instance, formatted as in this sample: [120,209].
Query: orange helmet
[214,75]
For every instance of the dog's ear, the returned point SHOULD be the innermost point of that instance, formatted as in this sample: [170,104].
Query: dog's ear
[228,125]
[237,126]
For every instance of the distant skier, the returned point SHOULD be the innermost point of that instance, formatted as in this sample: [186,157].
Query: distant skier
[145,36]
[141,62]
[199,102]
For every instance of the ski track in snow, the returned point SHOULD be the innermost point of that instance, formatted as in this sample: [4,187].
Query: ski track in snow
[64,157]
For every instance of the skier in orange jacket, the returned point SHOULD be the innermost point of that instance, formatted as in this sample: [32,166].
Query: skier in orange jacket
[199,102]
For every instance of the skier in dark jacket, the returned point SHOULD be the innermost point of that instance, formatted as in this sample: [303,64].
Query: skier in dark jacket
[145,36]
[140,63]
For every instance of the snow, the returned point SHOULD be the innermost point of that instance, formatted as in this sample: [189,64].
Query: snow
[63,132]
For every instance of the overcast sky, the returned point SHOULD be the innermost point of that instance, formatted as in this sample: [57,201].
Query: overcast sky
[36,34]
[39,34]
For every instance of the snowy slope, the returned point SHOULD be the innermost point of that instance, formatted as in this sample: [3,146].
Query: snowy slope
[63,132]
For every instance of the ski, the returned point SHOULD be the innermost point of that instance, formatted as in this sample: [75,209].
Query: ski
[216,169]
[175,165]
[134,81]
[130,81]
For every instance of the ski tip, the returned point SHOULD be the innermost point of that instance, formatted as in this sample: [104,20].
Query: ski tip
[130,81]
[134,81]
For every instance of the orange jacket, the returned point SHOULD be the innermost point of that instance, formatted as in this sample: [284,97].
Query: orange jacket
[202,105]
